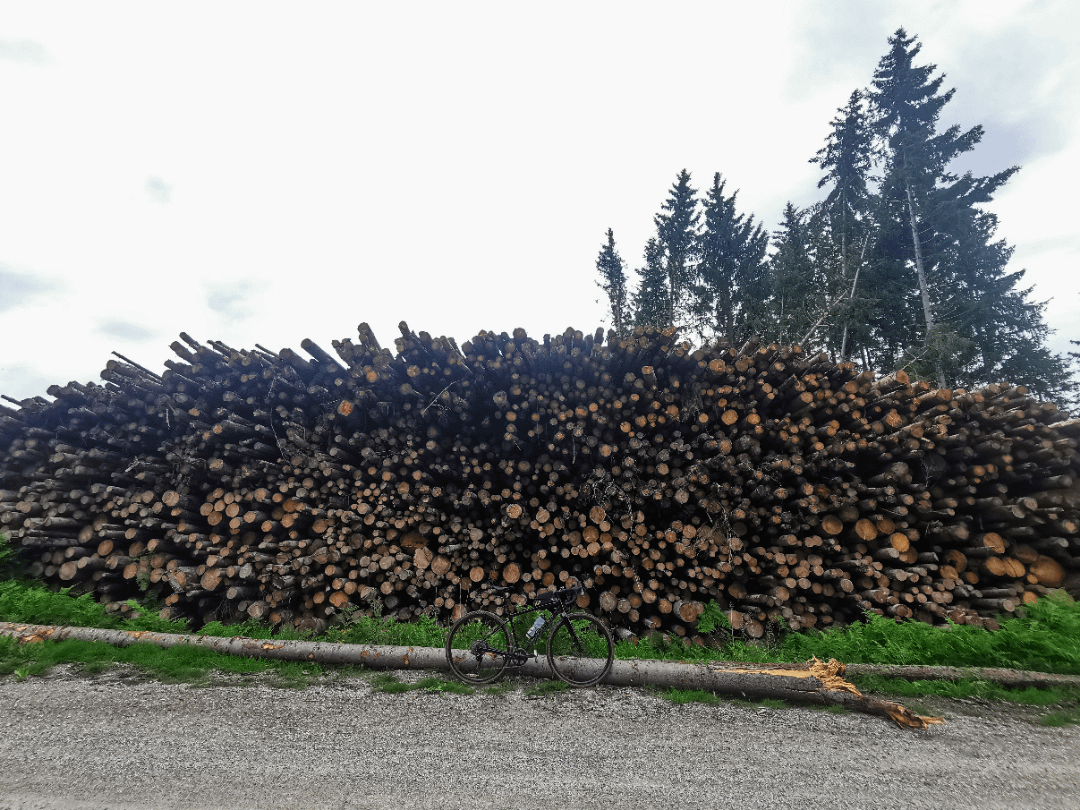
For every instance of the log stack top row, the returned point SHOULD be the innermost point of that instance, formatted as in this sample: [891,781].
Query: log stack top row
[785,487]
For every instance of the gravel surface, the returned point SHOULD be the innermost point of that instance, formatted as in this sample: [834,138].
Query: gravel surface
[115,741]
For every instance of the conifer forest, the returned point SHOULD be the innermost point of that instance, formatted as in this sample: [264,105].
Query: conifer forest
[898,265]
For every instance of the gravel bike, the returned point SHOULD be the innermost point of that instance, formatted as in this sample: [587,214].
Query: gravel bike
[579,649]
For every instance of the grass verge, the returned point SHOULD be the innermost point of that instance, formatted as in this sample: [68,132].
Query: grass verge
[174,665]
[388,683]
[1046,638]
[1064,717]
[546,688]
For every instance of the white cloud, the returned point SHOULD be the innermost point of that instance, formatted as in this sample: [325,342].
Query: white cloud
[23,50]
[158,190]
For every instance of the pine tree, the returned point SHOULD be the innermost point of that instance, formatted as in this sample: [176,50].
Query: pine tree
[732,288]
[613,274]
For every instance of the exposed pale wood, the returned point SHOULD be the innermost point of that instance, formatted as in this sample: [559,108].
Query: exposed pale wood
[788,488]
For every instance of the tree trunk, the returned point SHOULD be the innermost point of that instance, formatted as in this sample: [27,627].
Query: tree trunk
[815,682]
[920,270]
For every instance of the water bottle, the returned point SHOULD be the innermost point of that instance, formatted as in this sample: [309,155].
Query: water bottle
[535,628]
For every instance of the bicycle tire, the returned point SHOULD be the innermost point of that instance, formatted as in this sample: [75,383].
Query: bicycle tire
[471,665]
[580,655]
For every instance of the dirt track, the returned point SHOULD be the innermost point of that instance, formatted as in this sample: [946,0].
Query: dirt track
[113,742]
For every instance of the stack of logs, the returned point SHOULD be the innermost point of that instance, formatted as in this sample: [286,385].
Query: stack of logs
[249,483]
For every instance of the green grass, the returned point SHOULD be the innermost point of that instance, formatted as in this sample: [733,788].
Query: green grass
[500,689]
[1044,637]
[1064,717]
[1067,699]
[967,689]
[546,688]
[683,696]
[356,628]
[178,664]
[455,688]
[33,603]
[388,683]
[194,665]
[9,559]
[250,629]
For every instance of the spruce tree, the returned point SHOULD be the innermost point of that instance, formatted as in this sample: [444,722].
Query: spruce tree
[732,289]
[613,282]
[652,302]
[842,224]
[798,295]
[847,158]
[907,103]
[948,307]
[676,236]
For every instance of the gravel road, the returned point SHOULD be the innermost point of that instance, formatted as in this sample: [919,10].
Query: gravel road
[69,742]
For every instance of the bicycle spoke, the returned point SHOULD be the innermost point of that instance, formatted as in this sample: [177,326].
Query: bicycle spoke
[580,649]
[477,648]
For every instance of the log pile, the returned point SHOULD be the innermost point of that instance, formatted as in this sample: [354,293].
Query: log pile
[252,483]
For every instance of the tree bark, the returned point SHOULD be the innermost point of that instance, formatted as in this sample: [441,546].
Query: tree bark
[920,270]
[814,682]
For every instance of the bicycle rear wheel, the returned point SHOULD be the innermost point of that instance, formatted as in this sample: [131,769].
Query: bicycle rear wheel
[580,649]
[477,647]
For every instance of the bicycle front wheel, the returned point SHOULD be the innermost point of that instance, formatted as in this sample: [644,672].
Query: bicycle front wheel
[580,649]
[477,647]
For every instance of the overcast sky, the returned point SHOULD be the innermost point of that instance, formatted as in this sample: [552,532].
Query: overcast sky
[265,172]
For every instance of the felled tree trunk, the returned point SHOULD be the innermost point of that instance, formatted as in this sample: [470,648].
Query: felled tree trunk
[815,682]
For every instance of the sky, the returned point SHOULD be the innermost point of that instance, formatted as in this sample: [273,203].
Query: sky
[261,173]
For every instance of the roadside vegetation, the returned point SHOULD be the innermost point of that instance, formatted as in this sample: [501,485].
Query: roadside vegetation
[1045,638]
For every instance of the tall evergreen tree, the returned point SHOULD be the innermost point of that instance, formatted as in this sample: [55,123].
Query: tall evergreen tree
[652,301]
[935,243]
[732,289]
[842,224]
[613,282]
[907,102]
[899,264]
[798,299]
[670,259]
[847,158]
[676,235]
[1073,386]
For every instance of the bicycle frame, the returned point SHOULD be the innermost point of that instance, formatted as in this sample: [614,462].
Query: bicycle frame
[518,649]
[567,647]
[519,655]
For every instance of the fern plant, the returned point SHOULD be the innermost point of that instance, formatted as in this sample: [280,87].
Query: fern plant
[9,558]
